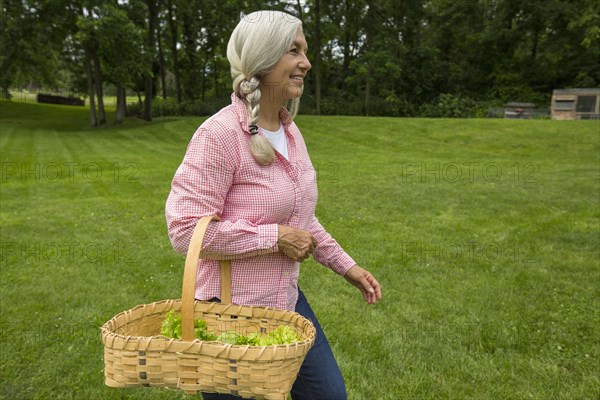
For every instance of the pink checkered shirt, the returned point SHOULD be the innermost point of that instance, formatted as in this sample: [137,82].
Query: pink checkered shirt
[219,176]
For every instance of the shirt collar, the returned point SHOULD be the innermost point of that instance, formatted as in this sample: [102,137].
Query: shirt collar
[242,111]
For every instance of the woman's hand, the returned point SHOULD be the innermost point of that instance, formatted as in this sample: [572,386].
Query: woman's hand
[295,243]
[365,282]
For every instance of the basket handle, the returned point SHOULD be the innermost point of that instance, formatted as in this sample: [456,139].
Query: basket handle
[189,278]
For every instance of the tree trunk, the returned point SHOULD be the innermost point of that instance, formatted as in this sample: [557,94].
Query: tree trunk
[90,84]
[215,76]
[318,55]
[368,89]
[173,27]
[370,33]
[190,42]
[99,92]
[121,104]
[535,43]
[149,86]
[148,99]
[346,63]
[162,64]
[203,80]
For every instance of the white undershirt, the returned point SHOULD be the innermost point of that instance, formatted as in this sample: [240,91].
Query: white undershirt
[278,140]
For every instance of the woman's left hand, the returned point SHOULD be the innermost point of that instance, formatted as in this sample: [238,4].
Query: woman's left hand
[365,282]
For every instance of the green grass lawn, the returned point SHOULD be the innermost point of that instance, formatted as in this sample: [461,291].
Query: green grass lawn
[484,235]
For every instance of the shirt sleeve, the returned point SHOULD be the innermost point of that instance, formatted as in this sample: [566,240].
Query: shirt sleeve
[328,252]
[199,188]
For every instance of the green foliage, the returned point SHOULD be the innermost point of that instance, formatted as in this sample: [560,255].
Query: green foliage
[451,106]
[169,107]
[511,86]
[171,327]
[121,46]
[376,57]
[31,41]
[338,105]
[284,334]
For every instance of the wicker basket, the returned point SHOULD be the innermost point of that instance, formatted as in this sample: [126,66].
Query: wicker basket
[135,354]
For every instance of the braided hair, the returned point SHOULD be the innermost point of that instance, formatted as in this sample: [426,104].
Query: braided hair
[257,43]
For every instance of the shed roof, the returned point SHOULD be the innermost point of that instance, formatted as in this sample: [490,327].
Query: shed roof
[584,91]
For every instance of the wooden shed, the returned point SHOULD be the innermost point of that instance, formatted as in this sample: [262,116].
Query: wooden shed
[575,104]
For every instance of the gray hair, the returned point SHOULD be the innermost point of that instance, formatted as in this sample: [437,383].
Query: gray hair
[257,43]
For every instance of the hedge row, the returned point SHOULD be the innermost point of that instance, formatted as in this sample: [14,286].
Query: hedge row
[52,99]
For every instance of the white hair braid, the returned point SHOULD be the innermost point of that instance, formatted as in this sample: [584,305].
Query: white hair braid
[261,148]
[257,43]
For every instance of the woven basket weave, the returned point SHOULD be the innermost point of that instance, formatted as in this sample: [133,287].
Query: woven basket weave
[135,354]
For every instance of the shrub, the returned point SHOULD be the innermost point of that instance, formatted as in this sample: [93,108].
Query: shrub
[165,107]
[135,109]
[195,107]
[168,107]
[52,99]
[453,106]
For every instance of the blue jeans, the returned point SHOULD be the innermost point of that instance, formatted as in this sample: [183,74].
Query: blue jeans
[319,377]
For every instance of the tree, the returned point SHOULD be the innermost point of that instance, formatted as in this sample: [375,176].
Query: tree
[375,57]
[153,7]
[31,41]
[172,10]
[86,37]
[190,30]
[120,43]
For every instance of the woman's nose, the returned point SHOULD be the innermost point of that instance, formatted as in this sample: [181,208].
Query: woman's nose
[304,63]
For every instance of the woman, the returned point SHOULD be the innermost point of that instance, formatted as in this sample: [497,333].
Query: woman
[249,165]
